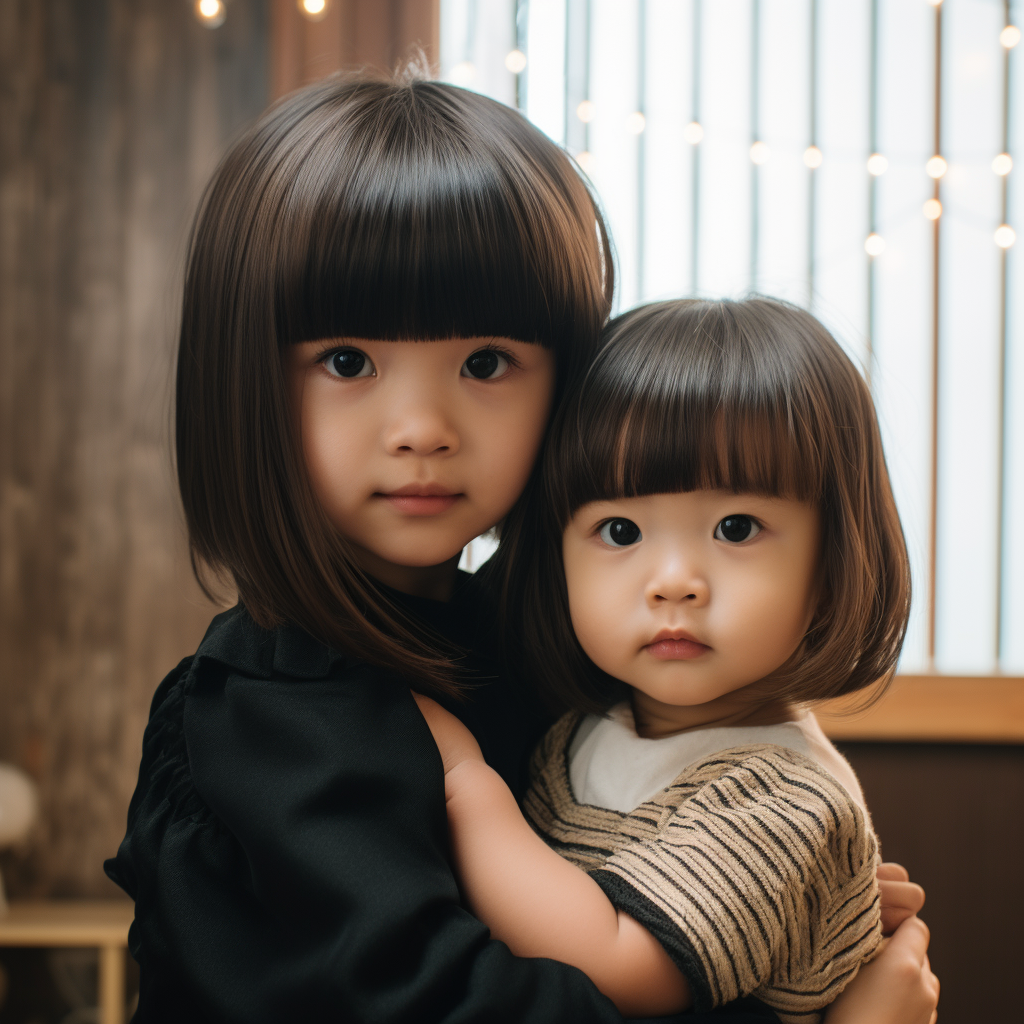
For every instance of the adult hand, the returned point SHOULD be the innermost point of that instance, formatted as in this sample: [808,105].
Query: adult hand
[897,987]
[900,897]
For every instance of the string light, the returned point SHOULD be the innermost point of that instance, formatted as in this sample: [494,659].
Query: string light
[314,10]
[932,209]
[813,157]
[515,61]
[1005,236]
[1002,165]
[585,111]
[210,12]
[693,133]
[936,167]
[636,122]
[874,244]
[760,153]
[586,162]
[877,164]
[463,73]
[1010,36]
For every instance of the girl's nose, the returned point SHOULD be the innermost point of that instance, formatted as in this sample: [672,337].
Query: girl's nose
[678,582]
[421,430]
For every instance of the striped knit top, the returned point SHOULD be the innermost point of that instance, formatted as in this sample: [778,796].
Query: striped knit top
[754,869]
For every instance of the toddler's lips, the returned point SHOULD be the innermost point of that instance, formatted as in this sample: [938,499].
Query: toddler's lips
[676,649]
[427,500]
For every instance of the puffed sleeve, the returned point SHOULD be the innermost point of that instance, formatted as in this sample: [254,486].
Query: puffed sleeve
[761,882]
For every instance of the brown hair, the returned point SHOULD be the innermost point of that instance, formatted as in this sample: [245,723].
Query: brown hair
[387,209]
[753,396]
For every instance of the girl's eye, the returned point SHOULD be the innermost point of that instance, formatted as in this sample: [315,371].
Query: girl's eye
[736,529]
[349,362]
[485,365]
[620,533]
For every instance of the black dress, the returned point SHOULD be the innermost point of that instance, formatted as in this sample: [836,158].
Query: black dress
[287,845]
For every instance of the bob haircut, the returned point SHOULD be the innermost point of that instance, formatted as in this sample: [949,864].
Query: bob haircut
[753,396]
[359,207]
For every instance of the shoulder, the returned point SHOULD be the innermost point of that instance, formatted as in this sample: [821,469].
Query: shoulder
[774,782]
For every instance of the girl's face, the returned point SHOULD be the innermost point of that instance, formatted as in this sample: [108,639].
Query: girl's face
[414,448]
[692,598]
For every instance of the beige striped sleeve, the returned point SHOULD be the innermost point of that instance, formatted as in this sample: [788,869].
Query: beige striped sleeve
[762,881]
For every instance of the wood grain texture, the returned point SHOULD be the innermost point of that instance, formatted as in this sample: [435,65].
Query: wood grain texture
[372,34]
[947,709]
[112,115]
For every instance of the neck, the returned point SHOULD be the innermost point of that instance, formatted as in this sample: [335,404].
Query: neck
[655,720]
[436,582]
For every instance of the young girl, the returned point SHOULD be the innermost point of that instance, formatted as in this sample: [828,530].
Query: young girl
[388,285]
[714,544]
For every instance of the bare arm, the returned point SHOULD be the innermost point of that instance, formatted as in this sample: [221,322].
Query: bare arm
[537,903]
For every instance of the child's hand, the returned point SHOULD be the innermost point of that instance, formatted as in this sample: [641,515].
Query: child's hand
[454,741]
[900,897]
[897,987]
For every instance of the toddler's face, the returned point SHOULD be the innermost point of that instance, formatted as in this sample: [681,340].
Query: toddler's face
[415,448]
[691,598]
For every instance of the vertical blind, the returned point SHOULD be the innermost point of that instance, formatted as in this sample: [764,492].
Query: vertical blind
[855,157]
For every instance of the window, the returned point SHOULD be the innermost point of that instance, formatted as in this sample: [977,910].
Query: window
[791,147]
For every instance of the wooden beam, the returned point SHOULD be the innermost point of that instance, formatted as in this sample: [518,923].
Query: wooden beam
[352,34]
[941,709]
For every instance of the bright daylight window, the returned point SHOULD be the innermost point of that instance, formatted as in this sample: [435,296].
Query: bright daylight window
[854,157]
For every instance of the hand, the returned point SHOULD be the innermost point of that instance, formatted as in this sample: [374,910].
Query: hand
[897,987]
[454,741]
[900,897]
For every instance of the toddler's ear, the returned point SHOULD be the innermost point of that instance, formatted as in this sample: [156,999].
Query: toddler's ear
[454,741]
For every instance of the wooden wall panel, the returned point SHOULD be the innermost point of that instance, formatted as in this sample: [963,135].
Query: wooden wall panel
[112,116]
[954,816]
[376,34]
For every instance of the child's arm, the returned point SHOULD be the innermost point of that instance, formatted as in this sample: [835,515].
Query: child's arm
[537,903]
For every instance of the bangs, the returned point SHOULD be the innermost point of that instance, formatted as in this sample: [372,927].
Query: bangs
[691,395]
[412,217]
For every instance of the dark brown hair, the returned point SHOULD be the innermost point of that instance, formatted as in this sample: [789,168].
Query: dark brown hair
[753,396]
[386,209]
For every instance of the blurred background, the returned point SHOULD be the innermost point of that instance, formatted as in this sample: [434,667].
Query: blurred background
[854,156]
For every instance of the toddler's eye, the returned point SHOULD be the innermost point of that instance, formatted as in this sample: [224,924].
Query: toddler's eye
[620,533]
[485,365]
[349,362]
[736,529]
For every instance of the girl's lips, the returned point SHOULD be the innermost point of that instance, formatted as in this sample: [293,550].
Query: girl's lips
[421,504]
[676,650]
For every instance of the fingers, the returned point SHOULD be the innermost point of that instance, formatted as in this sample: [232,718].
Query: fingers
[890,871]
[910,940]
[900,900]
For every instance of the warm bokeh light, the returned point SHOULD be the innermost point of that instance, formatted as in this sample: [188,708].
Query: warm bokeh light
[313,9]
[463,73]
[932,209]
[210,12]
[1002,165]
[877,164]
[813,157]
[936,167]
[636,122]
[1005,236]
[585,111]
[515,61]
[1010,36]
[693,133]
[760,153]
[874,244]
[586,161]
